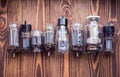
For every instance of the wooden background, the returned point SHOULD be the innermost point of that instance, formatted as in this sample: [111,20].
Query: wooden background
[67,65]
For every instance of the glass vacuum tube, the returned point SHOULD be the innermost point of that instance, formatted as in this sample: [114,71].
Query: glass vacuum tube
[62,35]
[77,38]
[108,31]
[94,35]
[25,34]
[49,37]
[13,39]
[37,43]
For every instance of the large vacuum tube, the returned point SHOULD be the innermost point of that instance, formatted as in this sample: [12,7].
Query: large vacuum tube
[13,39]
[62,35]
[77,38]
[108,35]
[25,37]
[94,35]
[36,42]
[49,39]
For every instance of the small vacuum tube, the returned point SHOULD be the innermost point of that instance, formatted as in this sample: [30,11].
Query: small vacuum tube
[25,34]
[13,39]
[77,38]
[49,39]
[62,35]
[37,43]
[94,35]
[108,31]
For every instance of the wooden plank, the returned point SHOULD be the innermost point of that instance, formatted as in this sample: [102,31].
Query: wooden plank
[53,10]
[108,62]
[66,10]
[12,65]
[58,65]
[40,21]
[29,8]
[79,66]
[117,38]
[3,33]
[103,12]
[52,64]
[94,60]
[113,17]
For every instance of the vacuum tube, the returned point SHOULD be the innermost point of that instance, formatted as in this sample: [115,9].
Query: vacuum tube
[13,39]
[25,34]
[62,35]
[77,38]
[94,35]
[108,31]
[37,44]
[49,37]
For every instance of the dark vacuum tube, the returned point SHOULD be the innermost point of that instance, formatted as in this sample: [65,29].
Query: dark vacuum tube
[13,39]
[49,39]
[108,31]
[25,37]
[37,43]
[62,35]
[94,35]
[77,38]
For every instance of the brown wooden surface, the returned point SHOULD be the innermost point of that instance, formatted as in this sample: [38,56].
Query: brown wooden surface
[58,65]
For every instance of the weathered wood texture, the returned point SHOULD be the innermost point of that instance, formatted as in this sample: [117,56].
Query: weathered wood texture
[67,65]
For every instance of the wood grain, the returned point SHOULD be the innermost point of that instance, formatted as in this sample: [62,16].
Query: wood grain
[58,65]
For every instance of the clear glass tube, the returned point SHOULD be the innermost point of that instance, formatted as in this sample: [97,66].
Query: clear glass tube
[62,36]
[49,37]
[13,38]
[94,35]
[37,44]
[77,38]
[63,44]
